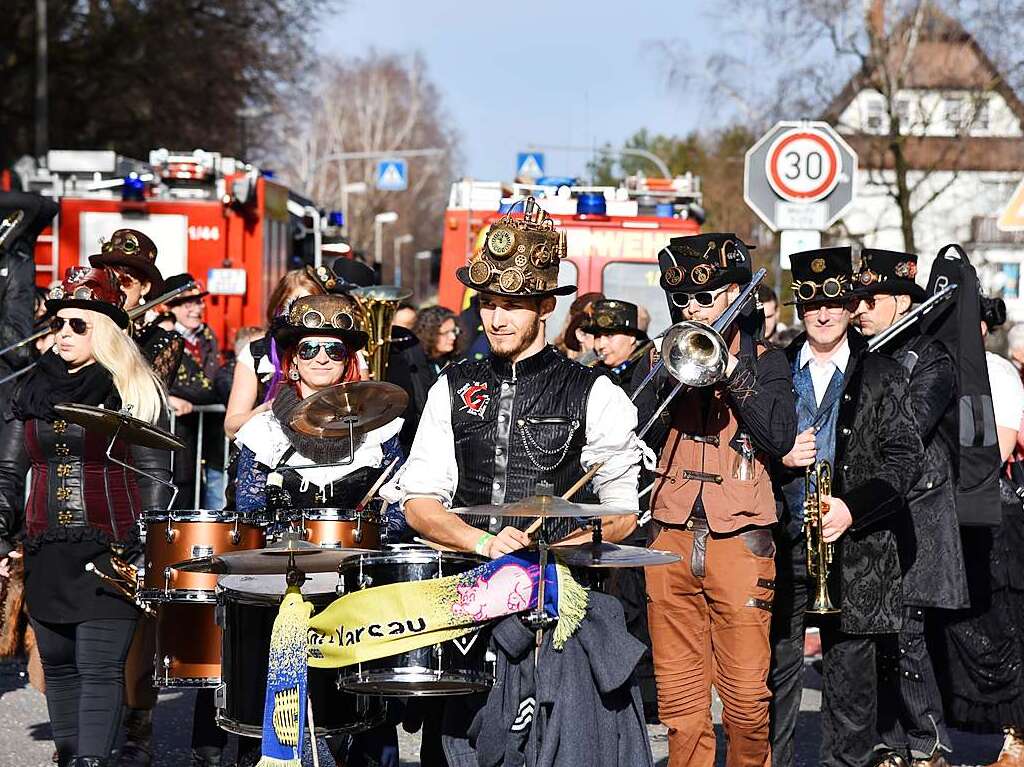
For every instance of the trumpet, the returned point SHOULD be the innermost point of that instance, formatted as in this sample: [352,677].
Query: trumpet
[126,581]
[819,553]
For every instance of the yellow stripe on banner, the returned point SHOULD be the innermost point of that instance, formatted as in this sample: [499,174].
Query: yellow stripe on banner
[387,620]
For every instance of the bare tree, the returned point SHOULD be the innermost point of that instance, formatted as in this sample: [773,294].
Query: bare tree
[378,103]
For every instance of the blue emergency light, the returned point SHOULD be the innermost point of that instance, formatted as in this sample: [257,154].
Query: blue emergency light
[591,204]
[133,189]
[336,218]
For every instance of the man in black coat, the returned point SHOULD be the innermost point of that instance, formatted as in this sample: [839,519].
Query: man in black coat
[854,411]
[910,707]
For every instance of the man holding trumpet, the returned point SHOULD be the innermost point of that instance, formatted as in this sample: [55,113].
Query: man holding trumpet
[854,413]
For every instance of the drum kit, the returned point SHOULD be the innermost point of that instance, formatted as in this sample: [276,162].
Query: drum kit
[216,580]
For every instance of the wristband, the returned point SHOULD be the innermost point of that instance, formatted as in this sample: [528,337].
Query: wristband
[479,548]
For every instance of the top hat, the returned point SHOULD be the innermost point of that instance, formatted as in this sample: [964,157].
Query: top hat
[176,281]
[825,274]
[890,272]
[704,262]
[131,249]
[519,257]
[342,275]
[608,317]
[333,315]
[578,317]
[94,288]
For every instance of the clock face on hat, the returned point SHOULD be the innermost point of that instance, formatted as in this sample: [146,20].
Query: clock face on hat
[501,242]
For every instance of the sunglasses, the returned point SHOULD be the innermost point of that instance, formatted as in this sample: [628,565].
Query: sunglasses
[335,350]
[453,332]
[78,325]
[703,298]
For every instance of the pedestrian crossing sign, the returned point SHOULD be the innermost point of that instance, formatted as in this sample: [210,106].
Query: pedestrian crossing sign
[1012,217]
[392,175]
[530,165]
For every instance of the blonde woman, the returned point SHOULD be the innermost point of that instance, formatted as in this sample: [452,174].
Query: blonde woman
[81,508]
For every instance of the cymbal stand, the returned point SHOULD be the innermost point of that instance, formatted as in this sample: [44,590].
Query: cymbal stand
[136,470]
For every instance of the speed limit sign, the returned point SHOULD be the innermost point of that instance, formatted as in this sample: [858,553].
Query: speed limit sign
[800,175]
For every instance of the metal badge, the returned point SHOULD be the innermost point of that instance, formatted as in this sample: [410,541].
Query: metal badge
[673,276]
[511,280]
[906,269]
[818,265]
[604,320]
[700,274]
[130,244]
[479,272]
[57,293]
[501,242]
[83,294]
[867,277]
[540,257]
[521,260]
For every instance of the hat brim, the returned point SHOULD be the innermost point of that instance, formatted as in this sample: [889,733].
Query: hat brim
[462,274]
[118,315]
[149,271]
[613,330]
[286,336]
[893,287]
[185,298]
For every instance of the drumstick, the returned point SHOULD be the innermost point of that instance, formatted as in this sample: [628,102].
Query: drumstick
[433,545]
[535,525]
[376,485]
[312,732]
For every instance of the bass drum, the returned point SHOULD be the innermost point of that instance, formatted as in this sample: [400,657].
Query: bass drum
[337,528]
[187,645]
[247,606]
[457,667]
[176,536]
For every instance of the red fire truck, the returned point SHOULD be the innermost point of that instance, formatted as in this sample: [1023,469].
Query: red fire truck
[613,234]
[229,225]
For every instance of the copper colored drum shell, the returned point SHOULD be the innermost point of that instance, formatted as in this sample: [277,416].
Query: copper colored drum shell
[341,534]
[187,645]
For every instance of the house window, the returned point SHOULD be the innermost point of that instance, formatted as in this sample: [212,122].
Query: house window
[952,109]
[903,112]
[875,119]
[981,115]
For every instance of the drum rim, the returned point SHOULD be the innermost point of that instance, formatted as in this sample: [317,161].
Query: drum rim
[186,682]
[414,555]
[194,515]
[192,596]
[226,723]
[332,514]
[471,682]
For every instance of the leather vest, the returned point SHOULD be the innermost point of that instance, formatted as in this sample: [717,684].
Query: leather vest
[701,456]
[518,425]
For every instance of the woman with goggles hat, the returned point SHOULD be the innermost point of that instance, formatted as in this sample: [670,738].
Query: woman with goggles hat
[82,509]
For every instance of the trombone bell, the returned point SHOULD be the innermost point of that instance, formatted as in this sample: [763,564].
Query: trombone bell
[694,353]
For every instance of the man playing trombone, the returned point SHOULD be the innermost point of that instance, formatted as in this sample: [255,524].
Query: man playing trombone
[713,505]
[855,414]
[910,707]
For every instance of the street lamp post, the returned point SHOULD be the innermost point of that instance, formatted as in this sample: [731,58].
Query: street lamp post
[356,187]
[388,217]
[422,257]
[400,240]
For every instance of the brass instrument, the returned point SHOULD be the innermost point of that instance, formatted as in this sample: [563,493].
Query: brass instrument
[819,553]
[126,581]
[9,224]
[379,304]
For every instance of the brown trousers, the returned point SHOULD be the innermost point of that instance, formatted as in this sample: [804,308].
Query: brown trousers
[712,628]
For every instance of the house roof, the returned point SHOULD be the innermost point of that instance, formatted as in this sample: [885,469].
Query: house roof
[979,153]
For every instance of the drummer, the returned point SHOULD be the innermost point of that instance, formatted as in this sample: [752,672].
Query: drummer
[82,508]
[493,429]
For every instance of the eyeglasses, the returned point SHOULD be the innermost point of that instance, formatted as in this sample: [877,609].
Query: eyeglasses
[830,288]
[335,350]
[78,325]
[456,332]
[703,298]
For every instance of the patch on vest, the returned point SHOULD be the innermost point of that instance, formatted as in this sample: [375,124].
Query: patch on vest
[475,398]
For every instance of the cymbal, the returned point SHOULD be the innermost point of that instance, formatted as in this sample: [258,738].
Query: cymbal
[272,560]
[366,405]
[106,422]
[612,555]
[546,506]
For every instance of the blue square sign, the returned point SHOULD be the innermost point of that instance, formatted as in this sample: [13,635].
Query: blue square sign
[530,165]
[392,175]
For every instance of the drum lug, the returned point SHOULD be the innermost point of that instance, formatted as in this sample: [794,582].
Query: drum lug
[365,581]
[220,696]
[357,536]
[236,535]
[218,615]
[169,532]
[167,580]
[167,670]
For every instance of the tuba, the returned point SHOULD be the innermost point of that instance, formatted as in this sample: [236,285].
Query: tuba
[378,304]
[819,553]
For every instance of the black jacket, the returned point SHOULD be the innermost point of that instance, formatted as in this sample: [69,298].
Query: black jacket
[878,458]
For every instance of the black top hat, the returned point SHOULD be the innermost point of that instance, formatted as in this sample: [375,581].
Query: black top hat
[704,262]
[606,317]
[332,315]
[176,281]
[342,275]
[519,257]
[890,272]
[94,288]
[825,274]
[133,250]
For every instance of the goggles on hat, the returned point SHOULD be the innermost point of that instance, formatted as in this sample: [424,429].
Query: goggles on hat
[830,288]
[334,349]
[703,297]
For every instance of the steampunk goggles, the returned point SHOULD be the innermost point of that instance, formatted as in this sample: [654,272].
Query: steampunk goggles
[808,290]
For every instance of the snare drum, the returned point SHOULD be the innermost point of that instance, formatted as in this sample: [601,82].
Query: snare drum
[174,536]
[247,606]
[338,528]
[187,645]
[456,667]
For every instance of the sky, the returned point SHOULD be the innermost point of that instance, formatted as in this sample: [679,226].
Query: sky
[519,74]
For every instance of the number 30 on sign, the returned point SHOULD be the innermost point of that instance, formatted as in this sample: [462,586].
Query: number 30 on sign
[803,165]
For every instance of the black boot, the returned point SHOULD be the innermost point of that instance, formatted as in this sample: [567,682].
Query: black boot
[207,756]
[137,750]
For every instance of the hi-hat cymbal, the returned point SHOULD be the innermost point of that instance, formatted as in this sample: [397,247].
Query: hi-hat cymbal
[546,506]
[272,560]
[361,405]
[106,422]
[612,555]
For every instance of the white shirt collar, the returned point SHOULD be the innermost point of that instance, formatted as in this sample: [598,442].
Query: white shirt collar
[840,357]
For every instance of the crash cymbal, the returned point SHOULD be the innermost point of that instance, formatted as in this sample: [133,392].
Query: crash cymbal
[365,405]
[272,560]
[106,422]
[546,506]
[612,555]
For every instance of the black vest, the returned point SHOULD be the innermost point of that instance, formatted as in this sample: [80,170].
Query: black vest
[517,425]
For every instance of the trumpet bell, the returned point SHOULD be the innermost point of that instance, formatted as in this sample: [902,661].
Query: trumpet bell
[695,354]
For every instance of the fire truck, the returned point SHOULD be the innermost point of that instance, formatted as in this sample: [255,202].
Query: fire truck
[613,235]
[231,226]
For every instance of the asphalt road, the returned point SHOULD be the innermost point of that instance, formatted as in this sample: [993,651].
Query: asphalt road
[26,730]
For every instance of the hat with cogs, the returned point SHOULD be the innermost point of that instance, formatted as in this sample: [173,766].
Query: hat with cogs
[821,275]
[704,262]
[890,272]
[519,257]
[133,250]
[609,317]
[335,316]
[94,288]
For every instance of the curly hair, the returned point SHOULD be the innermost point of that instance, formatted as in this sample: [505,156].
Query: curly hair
[428,327]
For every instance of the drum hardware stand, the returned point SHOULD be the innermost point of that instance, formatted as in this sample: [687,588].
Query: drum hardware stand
[538,619]
[146,474]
